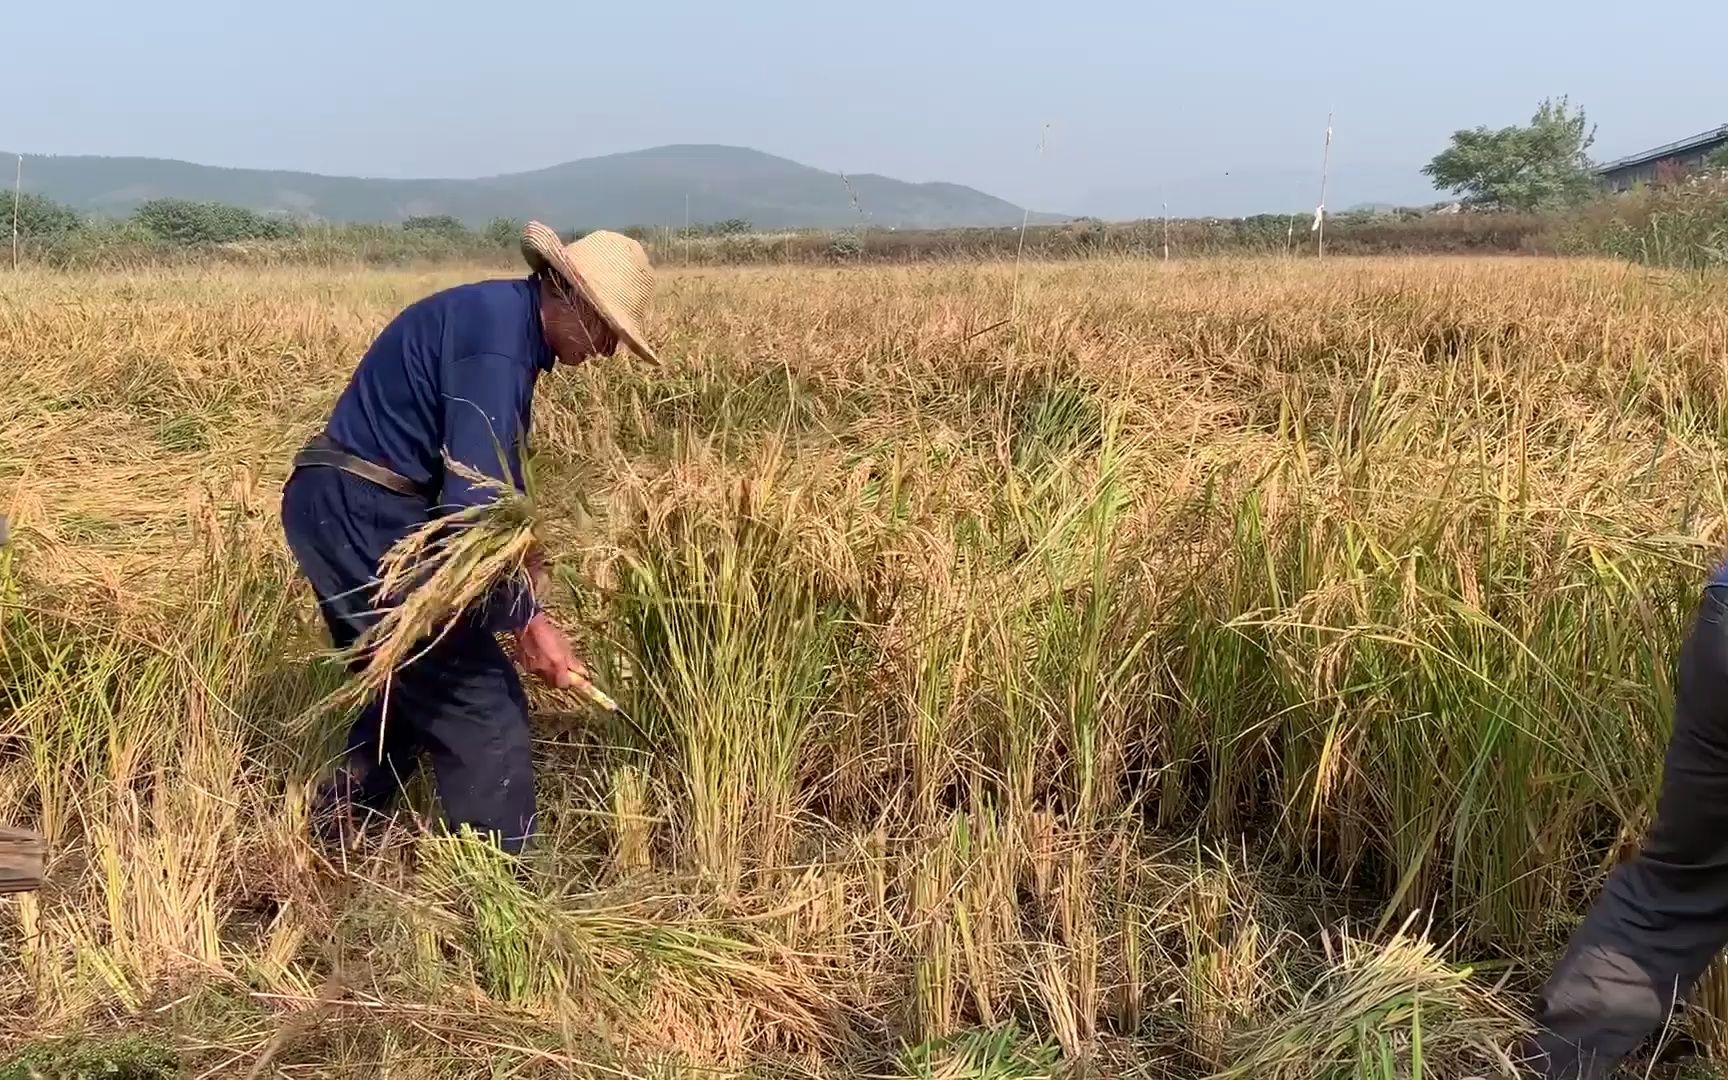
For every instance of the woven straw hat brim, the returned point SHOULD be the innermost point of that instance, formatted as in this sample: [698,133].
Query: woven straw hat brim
[609,269]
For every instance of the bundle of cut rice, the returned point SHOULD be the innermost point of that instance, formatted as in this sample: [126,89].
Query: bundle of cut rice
[437,572]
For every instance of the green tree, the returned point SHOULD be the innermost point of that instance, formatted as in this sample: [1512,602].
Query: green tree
[504,232]
[442,224]
[1717,160]
[183,221]
[39,216]
[1540,166]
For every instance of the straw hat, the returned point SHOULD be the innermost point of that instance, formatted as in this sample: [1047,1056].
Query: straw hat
[609,269]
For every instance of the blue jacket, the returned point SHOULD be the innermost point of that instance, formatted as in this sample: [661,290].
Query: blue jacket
[452,375]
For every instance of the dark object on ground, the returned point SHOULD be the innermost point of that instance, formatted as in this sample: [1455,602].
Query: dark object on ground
[20,861]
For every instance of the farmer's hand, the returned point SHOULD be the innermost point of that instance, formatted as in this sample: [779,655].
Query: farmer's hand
[539,579]
[546,653]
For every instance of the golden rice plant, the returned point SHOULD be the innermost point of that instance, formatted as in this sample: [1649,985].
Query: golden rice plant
[945,640]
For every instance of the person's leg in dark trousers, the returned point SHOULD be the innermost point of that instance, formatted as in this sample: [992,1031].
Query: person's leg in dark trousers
[1662,916]
[377,763]
[461,701]
[471,717]
[338,527]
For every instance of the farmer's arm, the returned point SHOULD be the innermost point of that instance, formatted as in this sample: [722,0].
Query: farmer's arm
[485,399]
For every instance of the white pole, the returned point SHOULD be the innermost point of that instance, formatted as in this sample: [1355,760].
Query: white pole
[17,198]
[1320,211]
[1025,219]
[1166,232]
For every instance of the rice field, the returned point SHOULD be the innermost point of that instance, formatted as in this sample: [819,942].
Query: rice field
[1238,668]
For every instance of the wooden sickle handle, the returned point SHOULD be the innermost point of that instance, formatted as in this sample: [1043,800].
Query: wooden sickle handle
[593,693]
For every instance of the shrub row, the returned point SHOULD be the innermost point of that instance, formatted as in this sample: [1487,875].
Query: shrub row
[1682,225]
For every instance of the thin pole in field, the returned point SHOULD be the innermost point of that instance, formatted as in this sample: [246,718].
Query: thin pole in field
[17,199]
[858,208]
[1166,232]
[1025,219]
[686,228]
[1320,211]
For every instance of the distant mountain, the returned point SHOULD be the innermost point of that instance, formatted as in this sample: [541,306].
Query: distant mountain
[644,187]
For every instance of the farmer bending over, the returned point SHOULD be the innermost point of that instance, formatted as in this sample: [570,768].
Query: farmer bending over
[452,376]
[1663,915]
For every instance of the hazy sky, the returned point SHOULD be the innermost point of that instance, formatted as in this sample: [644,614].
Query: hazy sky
[1220,105]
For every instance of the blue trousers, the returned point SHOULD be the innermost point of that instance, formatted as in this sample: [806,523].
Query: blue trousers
[460,703]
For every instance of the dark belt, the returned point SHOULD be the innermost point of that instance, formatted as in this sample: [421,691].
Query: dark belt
[323,451]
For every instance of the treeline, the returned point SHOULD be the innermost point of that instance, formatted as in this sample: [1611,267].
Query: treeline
[184,230]
[1262,235]
[178,230]
[170,230]
[1681,224]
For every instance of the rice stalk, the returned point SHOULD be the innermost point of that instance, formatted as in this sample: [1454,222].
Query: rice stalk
[1395,1009]
[435,575]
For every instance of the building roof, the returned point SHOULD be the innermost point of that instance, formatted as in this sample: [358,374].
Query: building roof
[1714,135]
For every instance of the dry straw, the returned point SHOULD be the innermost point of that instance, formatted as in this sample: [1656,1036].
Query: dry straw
[435,574]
